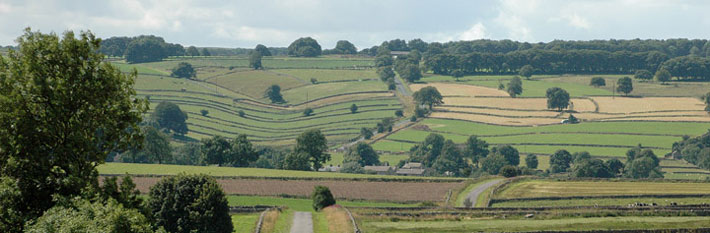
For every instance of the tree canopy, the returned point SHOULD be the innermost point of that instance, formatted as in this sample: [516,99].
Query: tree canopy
[255,60]
[557,98]
[597,82]
[515,87]
[273,92]
[304,47]
[169,116]
[624,85]
[262,50]
[146,49]
[344,47]
[526,71]
[313,143]
[183,70]
[363,154]
[60,116]
[428,96]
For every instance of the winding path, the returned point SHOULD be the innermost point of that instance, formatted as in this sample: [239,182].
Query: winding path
[302,222]
[478,190]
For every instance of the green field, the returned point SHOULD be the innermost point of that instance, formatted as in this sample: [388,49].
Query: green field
[165,169]
[548,188]
[245,223]
[222,83]
[303,204]
[563,224]
[598,138]
[536,87]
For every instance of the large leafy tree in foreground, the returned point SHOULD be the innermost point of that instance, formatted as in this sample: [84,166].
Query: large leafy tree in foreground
[62,110]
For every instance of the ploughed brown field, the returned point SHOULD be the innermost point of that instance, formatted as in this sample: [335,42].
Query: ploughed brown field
[342,189]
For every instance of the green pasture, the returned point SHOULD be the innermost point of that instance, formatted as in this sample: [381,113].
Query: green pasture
[304,204]
[254,83]
[392,146]
[141,69]
[602,202]
[562,224]
[311,92]
[549,188]
[536,87]
[167,169]
[323,75]
[642,88]
[267,62]
[245,223]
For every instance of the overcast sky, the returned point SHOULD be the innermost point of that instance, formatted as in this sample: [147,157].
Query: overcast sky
[245,23]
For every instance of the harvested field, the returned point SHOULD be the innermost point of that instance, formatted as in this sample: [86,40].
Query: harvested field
[649,104]
[665,118]
[342,189]
[451,89]
[500,112]
[544,188]
[495,120]
[538,104]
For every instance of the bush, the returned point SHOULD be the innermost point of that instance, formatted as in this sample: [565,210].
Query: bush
[241,113]
[190,203]
[322,198]
[83,216]
[597,82]
[353,108]
[204,112]
[413,118]
[509,171]
[183,70]
[352,167]
[308,112]
[399,113]
[314,81]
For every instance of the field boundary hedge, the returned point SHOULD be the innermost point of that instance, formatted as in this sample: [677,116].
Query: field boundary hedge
[547,132]
[553,144]
[242,100]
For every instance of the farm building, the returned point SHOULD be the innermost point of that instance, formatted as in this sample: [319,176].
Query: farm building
[410,171]
[412,165]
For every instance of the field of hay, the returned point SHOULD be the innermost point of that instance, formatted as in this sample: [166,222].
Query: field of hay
[549,188]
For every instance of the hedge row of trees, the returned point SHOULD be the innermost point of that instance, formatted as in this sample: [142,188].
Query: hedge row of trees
[695,150]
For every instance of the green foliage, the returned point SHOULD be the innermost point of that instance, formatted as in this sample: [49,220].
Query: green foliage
[411,73]
[190,203]
[241,113]
[188,154]
[366,133]
[560,161]
[353,108]
[205,52]
[255,60]
[597,82]
[146,49]
[399,113]
[183,70]
[156,145]
[624,85]
[591,168]
[169,116]
[511,155]
[384,58]
[526,71]
[493,164]
[344,47]
[238,152]
[263,50]
[307,112]
[82,216]
[297,161]
[313,143]
[204,112]
[352,167]
[467,203]
[214,150]
[363,154]
[643,75]
[273,92]
[242,152]
[385,73]
[450,161]
[457,74]
[509,171]
[475,149]
[127,194]
[662,75]
[615,166]
[11,219]
[557,98]
[428,150]
[60,116]
[429,96]
[322,197]
[531,161]
[706,99]
[515,87]
[304,47]
[642,163]
[192,51]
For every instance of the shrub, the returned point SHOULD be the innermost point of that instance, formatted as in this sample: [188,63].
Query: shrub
[413,118]
[183,70]
[83,216]
[509,171]
[352,167]
[241,113]
[399,113]
[190,203]
[597,82]
[308,112]
[353,108]
[314,81]
[204,112]
[322,197]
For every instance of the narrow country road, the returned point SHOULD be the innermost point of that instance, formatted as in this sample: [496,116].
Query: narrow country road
[400,87]
[302,222]
[478,190]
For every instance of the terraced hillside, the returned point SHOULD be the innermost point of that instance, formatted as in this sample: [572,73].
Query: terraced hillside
[233,95]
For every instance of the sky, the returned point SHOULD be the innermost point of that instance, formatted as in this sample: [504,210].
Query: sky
[276,23]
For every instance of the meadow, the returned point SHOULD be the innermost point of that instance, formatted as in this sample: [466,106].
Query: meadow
[549,188]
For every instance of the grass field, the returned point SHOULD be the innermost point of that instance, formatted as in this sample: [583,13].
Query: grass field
[564,224]
[303,204]
[165,169]
[546,188]
[245,223]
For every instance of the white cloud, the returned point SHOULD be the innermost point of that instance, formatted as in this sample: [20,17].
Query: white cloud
[477,31]
[513,16]
[5,8]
